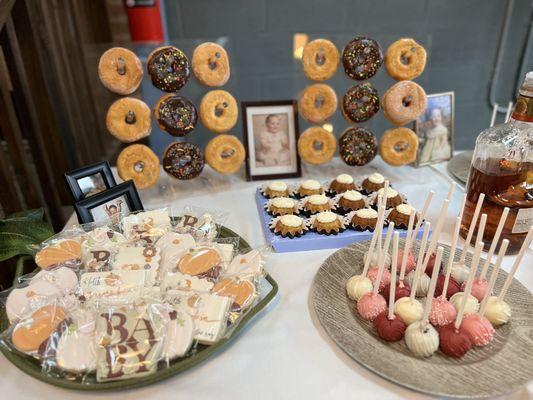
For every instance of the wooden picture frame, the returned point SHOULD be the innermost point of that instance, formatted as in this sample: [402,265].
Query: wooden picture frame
[94,207]
[281,160]
[81,182]
[438,150]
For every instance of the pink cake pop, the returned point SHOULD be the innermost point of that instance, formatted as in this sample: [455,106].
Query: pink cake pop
[454,341]
[480,285]
[372,304]
[442,311]
[410,260]
[385,277]
[479,289]
[389,326]
[402,288]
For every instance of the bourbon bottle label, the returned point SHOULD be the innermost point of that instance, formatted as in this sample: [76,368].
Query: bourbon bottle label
[523,110]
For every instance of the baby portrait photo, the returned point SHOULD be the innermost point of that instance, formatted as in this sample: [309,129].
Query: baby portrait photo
[435,129]
[271,136]
[110,210]
[90,185]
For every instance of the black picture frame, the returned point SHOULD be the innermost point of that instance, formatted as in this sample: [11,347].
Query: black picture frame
[72,178]
[249,152]
[127,189]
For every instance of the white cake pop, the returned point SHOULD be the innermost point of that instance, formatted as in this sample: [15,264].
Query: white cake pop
[423,283]
[460,271]
[498,312]
[357,286]
[422,339]
[472,304]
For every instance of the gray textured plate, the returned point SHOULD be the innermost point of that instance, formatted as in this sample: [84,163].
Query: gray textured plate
[459,166]
[498,368]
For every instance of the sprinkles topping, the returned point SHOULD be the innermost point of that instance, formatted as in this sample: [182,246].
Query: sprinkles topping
[361,102]
[168,69]
[362,58]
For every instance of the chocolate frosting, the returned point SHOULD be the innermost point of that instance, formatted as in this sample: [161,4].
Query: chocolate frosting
[358,146]
[362,58]
[361,102]
[177,115]
[183,160]
[169,69]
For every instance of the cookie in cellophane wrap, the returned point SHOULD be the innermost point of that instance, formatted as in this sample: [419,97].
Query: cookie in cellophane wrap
[327,223]
[60,250]
[203,224]
[290,226]
[147,225]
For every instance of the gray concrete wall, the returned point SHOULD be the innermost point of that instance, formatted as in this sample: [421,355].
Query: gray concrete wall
[461,37]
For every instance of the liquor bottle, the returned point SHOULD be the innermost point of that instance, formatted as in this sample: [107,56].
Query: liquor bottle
[502,168]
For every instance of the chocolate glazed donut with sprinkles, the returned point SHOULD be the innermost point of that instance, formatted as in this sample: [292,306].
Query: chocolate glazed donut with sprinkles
[357,146]
[360,102]
[168,68]
[362,58]
[183,160]
[175,114]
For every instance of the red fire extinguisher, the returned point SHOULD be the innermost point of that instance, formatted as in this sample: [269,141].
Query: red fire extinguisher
[145,20]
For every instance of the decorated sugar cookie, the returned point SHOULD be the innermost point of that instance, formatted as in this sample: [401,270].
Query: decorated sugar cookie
[22,301]
[242,291]
[63,278]
[249,264]
[173,246]
[66,251]
[179,335]
[146,225]
[143,258]
[186,282]
[203,262]
[112,283]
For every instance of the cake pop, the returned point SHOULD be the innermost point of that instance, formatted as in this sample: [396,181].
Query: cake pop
[454,341]
[385,277]
[410,261]
[497,311]
[389,326]
[372,304]
[423,283]
[358,285]
[420,337]
[442,311]
[374,258]
[402,288]
[453,286]
[408,308]
[431,264]
[480,285]
[460,272]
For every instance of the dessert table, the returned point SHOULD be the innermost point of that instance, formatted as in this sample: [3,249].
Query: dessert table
[284,352]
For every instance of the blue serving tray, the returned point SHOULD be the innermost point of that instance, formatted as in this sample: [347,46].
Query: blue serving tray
[311,240]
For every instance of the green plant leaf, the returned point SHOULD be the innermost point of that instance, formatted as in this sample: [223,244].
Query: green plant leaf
[14,244]
[36,214]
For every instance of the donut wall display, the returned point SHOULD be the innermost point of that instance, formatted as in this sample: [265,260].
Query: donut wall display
[402,103]
[130,119]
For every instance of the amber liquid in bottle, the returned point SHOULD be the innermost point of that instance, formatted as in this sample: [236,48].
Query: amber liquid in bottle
[505,185]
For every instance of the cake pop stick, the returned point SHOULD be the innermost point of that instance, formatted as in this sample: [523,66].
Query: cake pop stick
[381,263]
[451,191]
[377,233]
[452,256]
[493,276]
[382,201]
[435,235]
[394,268]
[408,244]
[432,285]
[494,243]
[418,268]
[493,116]
[509,109]
[468,287]
[462,208]
[472,227]
[422,215]
[518,259]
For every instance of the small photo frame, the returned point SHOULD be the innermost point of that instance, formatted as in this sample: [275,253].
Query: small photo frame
[271,139]
[109,204]
[435,129]
[88,181]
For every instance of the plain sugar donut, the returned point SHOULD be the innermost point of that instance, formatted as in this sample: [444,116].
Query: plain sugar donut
[320,59]
[404,102]
[398,146]
[405,59]
[318,102]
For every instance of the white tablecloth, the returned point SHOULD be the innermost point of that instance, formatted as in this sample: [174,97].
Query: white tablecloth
[284,353]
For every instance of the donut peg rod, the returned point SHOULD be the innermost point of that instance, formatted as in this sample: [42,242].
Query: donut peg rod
[121,66]
[130,117]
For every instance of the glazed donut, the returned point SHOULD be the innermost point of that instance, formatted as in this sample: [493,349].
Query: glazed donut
[120,70]
[318,102]
[360,102]
[404,102]
[225,154]
[139,163]
[168,68]
[210,64]
[183,160]
[175,114]
[357,146]
[320,59]
[129,119]
[219,111]
[405,59]
[398,146]
[362,58]
[316,145]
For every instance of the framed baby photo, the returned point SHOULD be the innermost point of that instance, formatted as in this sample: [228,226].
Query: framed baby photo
[109,204]
[271,139]
[88,181]
[435,130]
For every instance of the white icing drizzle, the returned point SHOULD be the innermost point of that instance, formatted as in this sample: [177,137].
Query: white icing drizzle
[317,199]
[278,186]
[344,178]
[376,177]
[326,217]
[366,213]
[282,202]
[404,209]
[311,184]
[352,195]
[390,192]
[291,220]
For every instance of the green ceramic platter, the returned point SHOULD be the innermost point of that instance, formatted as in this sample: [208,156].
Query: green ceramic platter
[32,367]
